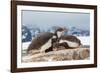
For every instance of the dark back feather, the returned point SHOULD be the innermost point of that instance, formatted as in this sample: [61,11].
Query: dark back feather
[40,40]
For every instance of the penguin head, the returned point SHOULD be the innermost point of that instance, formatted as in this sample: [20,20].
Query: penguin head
[71,41]
[60,31]
[78,41]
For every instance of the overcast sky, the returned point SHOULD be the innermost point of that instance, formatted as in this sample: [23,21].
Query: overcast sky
[45,20]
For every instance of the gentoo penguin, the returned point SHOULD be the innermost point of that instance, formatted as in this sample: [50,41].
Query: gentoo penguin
[44,40]
[68,41]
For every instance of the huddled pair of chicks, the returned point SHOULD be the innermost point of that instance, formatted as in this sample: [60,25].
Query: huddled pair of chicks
[46,41]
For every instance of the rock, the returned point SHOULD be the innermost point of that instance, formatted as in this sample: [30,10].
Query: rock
[60,55]
[84,54]
[76,55]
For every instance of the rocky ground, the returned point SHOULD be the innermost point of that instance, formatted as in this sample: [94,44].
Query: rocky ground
[61,54]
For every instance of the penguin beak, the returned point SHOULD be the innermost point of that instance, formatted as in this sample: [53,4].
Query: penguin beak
[81,45]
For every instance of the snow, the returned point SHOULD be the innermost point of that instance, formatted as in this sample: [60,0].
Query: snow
[25,45]
[84,40]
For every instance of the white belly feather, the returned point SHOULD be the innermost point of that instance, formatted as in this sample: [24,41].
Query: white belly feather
[71,44]
[46,46]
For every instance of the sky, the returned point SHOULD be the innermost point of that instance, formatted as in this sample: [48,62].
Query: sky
[47,19]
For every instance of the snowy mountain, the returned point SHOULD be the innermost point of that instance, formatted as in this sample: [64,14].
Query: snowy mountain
[30,32]
[78,32]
